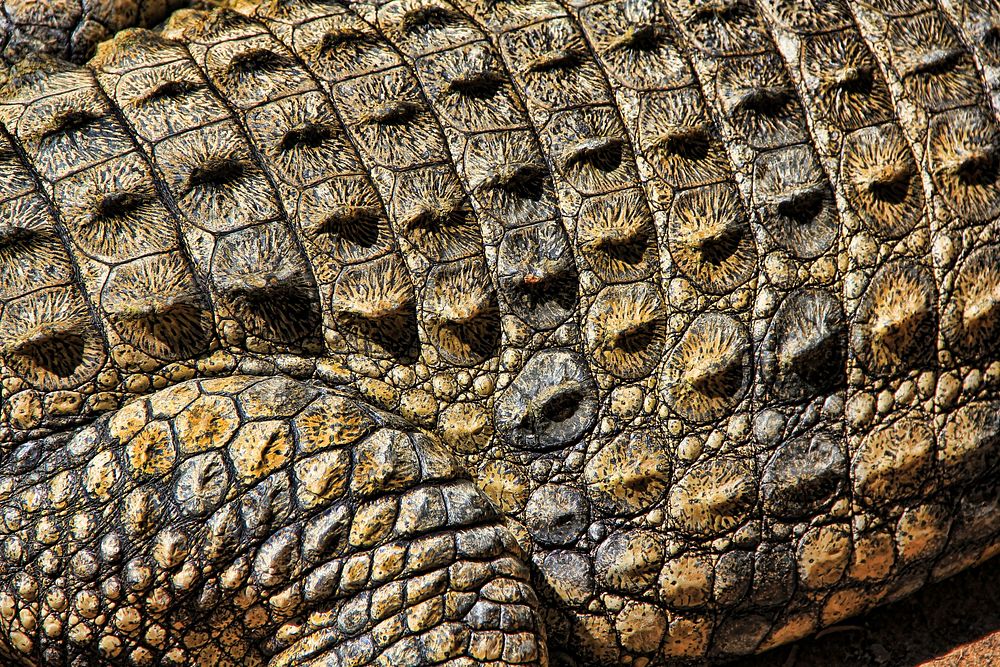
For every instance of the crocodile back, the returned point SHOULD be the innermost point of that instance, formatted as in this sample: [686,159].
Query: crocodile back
[706,294]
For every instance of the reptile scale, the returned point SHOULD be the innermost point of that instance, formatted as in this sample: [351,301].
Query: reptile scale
[352,333]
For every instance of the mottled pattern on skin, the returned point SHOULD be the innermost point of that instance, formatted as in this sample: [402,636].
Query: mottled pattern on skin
[72,28]
[207,525]
[419,332]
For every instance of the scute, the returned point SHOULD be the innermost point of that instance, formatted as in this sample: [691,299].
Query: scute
[629,474]
[971,317]
[617,237]
[708,371]
[962,151]
[968,444]
[758,98]
[804,352]
[635,45]
[590,150]
[267,285]
[840,72]
[677,136]
[31,253]
[798,207]
[48,339]
[803,475]
[894,461]
[626,330]
[156,305]
[709,238]
[895,327]
[552,402]
[712,498]
[537,274]
[881,178]
[463,312]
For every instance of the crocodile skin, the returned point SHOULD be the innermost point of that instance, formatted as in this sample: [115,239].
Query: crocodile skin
[492,332]
[72,28]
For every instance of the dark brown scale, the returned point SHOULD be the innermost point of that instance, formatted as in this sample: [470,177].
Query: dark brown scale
[112,216]
[389,120]
[590,149]
[804,475]
[598,185]
[933,63]
[804,352]
[758,98]
[509,185]
[244,63]
[680,141]
[795,202]
[551,63]
[48,338]
[843,79]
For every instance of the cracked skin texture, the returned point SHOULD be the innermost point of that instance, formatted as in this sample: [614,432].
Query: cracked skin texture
[413,333]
